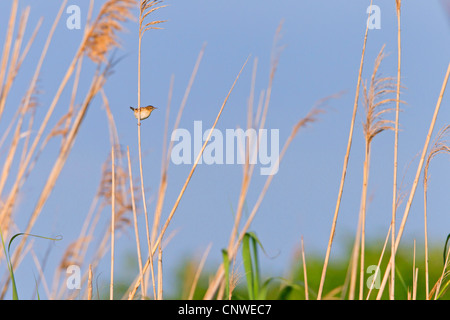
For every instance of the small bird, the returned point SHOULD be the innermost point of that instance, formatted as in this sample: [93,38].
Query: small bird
[145,111]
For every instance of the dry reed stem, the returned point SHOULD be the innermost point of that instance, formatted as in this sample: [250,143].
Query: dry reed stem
[113,223]
[373,101]
[90,32]
[439,146]
[363,219]
[183,189]
[344,169]
[437,286]
[394,184]
[136,229]
[354,260]
[145,8]
[7,46]
[16,60]
[91,220]
[160,274]
[6,211]
[41,273]
[416,179]
[89,297]
[7,208]
[305,273]
[247,168]
[310,117]
[62,156]
[247,171]
[197,160]
[163,183]
[164,168]
[375,276]
[198,272]
[414,273]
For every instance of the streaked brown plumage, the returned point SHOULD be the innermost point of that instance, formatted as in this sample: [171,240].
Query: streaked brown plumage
[145,111]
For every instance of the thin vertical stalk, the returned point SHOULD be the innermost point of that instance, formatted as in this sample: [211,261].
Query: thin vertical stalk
[160,274]
[427,284]
[344,169]
[363,219]
[394,185]
[143,6]
[136,229]
[89,297]
[113,222]
[305,275]
[416,179]
[198,273]
[188,179]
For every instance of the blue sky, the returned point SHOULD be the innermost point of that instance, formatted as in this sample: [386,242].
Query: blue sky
[323,42]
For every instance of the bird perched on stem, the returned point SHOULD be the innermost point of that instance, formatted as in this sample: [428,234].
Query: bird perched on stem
[145,111]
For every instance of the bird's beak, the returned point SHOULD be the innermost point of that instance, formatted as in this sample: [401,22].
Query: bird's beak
[131,108]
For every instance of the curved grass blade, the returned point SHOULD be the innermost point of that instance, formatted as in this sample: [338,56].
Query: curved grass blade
[285,293]
[443,290]
[15,295]
[31,235]
[226,266]
[251,263]
[262,294]
[37,288]
[256,279]
[248,265]
[445,248]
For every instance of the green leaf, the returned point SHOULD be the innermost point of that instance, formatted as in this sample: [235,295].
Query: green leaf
[445,248]
[248,267]
[284,293]
[226,266]
[15,295]
[256,275]
[251,263]
[262,294]
[31,235]
[37,288]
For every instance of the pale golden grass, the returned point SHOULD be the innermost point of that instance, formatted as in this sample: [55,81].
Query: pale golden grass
[235,239]
[166,154]
[113,222]
[136,229]
[97,83]
[247,168]
[374,105]
[117,190]
[183,189]
[96,36]
[440,145]
[145,8]
[344,168]
[305,272]
[445,273]
[160,274]
[89,295]
[416,179]
[376,274]
[103,35]
[394,184]
[198,272]
[311,117]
